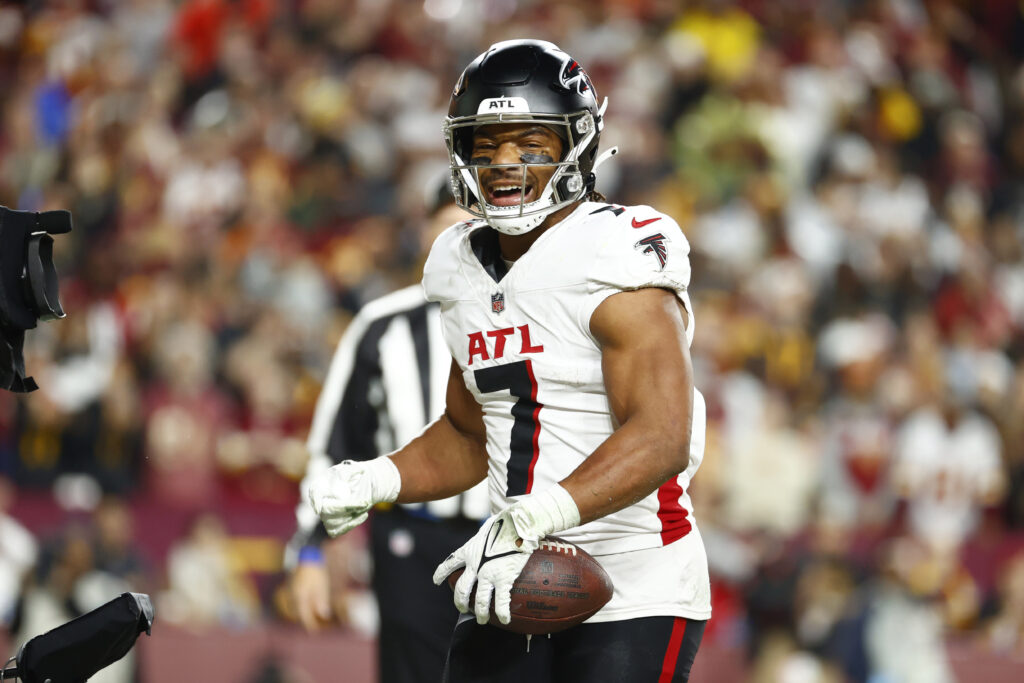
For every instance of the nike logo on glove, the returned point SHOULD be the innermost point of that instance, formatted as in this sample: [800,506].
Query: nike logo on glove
[640,224]
[484,557]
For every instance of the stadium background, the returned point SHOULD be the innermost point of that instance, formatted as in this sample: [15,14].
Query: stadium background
[244,174]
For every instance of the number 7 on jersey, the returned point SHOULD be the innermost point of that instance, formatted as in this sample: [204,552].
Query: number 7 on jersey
[518,379]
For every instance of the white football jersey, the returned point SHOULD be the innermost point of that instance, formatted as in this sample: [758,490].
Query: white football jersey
[522,339]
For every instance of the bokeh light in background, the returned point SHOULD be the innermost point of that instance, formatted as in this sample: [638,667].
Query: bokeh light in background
[245,174]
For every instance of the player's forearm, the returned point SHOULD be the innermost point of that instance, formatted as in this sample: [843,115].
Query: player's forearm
[631,464]
[440,462]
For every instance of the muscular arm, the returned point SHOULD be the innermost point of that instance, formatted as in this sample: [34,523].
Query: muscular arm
[449,456]
[649,380]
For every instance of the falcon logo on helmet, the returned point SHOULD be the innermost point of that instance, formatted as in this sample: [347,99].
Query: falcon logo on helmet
[516,82]
[573,77]
[460,86]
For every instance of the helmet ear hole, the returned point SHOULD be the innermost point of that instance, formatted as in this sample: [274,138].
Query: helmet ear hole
[569,185]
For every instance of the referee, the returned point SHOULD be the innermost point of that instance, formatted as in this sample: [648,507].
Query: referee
[386,382]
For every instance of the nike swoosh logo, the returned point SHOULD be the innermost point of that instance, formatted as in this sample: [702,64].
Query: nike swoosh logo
[640,224]
[484,557]
[492,534]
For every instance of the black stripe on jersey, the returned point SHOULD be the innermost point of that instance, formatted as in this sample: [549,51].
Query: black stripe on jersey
[356,420]
[418,323]
[617,210]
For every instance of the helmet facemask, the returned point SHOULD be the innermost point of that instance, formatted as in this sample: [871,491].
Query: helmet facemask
[571,179]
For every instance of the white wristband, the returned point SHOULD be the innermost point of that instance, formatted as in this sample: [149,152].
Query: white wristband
[549,511]
[385,479]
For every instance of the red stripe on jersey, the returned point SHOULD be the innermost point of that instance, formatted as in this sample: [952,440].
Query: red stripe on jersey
[675,643]
[674,517]
[536,427]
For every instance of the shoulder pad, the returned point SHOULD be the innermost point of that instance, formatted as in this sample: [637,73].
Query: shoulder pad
[441,270]
[641,247]
[638,247]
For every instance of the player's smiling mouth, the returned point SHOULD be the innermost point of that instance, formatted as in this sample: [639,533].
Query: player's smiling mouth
[508,193]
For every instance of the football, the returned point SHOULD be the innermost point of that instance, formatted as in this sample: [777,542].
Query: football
[561,586]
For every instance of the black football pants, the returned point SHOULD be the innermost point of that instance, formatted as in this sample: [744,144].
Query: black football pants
[647,650]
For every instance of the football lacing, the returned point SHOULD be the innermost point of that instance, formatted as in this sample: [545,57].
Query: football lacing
[559,547]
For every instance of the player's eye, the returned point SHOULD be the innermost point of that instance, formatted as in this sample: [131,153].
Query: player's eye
[481,153]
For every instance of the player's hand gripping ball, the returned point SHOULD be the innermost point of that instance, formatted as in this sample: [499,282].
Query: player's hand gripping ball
[494,558]
[560,586]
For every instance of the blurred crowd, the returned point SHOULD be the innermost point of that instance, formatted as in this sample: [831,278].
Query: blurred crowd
[245,174]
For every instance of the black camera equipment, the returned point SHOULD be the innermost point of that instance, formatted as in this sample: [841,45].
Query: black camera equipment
[28,285]
[74,651]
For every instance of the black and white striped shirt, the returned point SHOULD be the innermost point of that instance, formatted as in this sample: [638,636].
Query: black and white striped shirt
[386,382]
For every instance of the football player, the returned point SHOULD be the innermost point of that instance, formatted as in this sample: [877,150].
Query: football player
[570,389]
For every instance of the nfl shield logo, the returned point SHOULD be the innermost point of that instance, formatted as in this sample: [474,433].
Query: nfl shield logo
[497,302]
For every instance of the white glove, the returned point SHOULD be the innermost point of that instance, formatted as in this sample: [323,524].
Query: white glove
[343,495]
[496,555]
